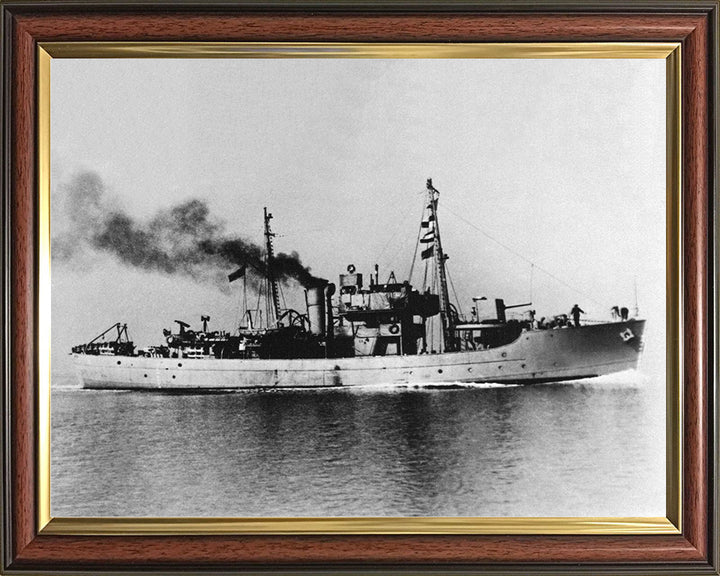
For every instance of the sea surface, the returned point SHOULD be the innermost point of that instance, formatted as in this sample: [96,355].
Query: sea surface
[589,448]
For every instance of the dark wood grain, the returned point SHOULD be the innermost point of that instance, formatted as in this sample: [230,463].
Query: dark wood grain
[696,191]
[223,551]
[360,28]
[23,291]
[689,551]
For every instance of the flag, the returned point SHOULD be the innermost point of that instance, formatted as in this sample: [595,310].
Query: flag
[239,273]
[425,254]
[428,237]
[426,223]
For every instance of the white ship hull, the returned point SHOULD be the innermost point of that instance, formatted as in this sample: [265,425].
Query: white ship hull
[536,356]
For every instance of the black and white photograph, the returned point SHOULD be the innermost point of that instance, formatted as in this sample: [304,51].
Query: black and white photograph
[358,287]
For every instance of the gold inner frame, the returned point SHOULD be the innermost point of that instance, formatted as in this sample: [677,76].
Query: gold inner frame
[671,524]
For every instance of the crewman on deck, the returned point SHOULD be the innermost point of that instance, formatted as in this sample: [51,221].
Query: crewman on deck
[575,312]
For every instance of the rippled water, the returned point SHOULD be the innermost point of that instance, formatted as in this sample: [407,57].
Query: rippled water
[591,448]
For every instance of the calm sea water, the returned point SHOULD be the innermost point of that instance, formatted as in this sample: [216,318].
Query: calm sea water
[590,448]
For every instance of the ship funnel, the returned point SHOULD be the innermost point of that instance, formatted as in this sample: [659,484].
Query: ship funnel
[316,308]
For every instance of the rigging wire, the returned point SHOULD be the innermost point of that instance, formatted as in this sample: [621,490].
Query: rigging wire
[524,258]
[266,294]
[282,296]
[425,275]
[431,323]
[261,292]
[400,247]
[417,245]
[245,295]
[452,285]
[405,213]
[387,244]
[532,277]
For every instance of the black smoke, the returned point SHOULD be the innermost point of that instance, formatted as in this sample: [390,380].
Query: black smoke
[184,239]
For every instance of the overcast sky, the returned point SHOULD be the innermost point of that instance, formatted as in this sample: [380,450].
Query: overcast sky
[561,161]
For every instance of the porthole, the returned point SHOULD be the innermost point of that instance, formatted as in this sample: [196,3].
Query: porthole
[439,370]
[179,364]
[504,354]
[119,362]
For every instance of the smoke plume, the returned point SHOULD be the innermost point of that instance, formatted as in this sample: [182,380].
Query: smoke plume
[184,239]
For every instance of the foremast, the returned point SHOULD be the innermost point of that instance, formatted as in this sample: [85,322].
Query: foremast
[440,258]
[270,273]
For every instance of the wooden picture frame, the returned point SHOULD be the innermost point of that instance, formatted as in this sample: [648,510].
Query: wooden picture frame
[30,547]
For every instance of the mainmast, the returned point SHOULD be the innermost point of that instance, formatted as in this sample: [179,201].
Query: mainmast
[272,282]
[448,340]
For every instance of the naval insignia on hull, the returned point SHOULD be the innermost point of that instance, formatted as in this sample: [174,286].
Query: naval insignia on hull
[627,335]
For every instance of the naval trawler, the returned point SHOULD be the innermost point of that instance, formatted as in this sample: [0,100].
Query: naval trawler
[366,335]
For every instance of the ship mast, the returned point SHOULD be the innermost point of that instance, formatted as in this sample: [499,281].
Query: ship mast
[440,259]
[637,308]
[272,282]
